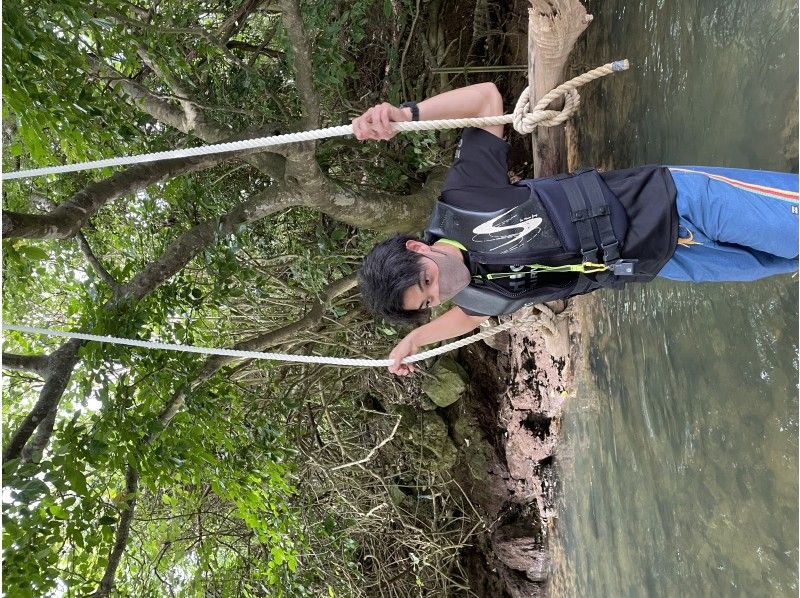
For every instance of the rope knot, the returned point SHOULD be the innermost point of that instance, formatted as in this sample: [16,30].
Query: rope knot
[526,120]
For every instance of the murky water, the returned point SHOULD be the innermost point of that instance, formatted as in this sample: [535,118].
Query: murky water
[679,462]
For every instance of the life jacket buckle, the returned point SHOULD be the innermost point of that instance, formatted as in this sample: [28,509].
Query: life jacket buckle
[624,267]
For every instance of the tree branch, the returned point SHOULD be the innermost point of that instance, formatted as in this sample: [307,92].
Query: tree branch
[246,47]
[61,364]
[235,22]
[303,67]
[190,110]
[37,364]
[95,263]
[257,343]
[269,162]
[171,409]
[66,219]
[197,239]
[175,257]
[377,210]
[273,337]
[42,438]
[122,533]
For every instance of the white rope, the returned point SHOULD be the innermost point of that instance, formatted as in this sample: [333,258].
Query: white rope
[262,355]
[234,146]
[523,119]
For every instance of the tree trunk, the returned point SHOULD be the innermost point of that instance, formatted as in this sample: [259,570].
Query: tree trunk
[553,27]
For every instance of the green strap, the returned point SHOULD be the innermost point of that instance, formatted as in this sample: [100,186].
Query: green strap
[453,243]
[584,268]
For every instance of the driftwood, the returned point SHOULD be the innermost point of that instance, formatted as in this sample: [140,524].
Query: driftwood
[553,28]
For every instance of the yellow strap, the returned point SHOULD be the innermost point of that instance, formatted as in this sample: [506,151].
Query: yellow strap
[453,243]
[584,268]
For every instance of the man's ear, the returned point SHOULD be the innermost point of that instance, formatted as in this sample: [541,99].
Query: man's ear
[417,246]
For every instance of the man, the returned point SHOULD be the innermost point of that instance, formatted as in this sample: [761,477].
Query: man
[492,247]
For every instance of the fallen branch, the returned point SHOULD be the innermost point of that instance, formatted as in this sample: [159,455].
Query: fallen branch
[374,449]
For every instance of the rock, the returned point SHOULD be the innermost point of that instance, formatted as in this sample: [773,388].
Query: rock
[497,341]
[447,383]
[397,495]
[518,548]
[426,445]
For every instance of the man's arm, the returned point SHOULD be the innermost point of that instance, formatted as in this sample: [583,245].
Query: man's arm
[478,100]
[452,323]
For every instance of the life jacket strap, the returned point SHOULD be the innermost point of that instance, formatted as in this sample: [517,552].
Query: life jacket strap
[588,205]
[455,244]
[583,268]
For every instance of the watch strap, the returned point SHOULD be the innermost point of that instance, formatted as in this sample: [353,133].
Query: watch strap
[411,105]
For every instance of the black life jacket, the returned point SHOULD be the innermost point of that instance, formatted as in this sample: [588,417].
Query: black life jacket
[569,219]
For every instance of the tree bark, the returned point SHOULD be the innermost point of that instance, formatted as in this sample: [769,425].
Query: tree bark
[122,534]
[553,27]
[95,263]
[26,363]
[303,66]
[41,439]
[234,22]
[66,219]
[62,362]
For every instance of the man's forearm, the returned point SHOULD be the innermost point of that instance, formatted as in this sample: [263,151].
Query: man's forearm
[472,101]
[482,99]
[450,324]
[478,100]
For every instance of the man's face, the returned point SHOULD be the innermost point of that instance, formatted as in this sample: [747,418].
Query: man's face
[425,293]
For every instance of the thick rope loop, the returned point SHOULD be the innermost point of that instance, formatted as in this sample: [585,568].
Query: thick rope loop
[527,119]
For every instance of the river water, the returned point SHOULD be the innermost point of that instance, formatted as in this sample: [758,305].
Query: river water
[679,458]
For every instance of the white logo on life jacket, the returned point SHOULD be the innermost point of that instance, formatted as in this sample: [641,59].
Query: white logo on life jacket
[521,228]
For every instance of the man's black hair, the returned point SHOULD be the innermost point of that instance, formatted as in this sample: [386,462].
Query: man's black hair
[388,270]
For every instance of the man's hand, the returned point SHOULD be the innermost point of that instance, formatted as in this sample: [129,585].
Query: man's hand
[375,123]
[450,324]
[403,349]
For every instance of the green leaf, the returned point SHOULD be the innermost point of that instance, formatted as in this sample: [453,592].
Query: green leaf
[32,490]
[33,253]
[76,479]
[58,511]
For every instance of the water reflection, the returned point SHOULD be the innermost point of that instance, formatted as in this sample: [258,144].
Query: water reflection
[679,460]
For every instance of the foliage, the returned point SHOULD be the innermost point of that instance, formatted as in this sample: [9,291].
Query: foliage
[223,505]
[47,102]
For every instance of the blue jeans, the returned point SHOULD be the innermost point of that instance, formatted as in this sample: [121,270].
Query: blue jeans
[745,221]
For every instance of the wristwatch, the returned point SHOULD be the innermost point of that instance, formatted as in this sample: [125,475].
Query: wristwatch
[413,107]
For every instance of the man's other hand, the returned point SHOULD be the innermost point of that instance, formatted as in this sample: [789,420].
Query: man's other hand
[403,349]
[375,123]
